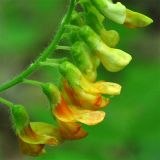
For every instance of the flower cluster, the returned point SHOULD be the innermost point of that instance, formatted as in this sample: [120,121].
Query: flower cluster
[80,98]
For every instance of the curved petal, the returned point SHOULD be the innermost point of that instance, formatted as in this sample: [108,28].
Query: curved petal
[63,112]
[76,114]
[71,131]
[104,88]
[40,133]
[86,100]
[31,149]
[88,117]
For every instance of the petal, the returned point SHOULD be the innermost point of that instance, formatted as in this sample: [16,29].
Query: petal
[63,112]
[40,133]
[86,100]
[31,149]
[114,11]
[88,117]
[104,88]
[71,131]
[135,19]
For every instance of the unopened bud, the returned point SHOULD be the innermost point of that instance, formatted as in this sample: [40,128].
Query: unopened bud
[113,59]
[135,19]
[114,11]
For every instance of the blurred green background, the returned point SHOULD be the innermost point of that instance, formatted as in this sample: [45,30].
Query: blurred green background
[131,130]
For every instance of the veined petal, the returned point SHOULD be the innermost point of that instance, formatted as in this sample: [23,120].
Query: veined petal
[70,113]
[71,131]
[103,88]
[88,117]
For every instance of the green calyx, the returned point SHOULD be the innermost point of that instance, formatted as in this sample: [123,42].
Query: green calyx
[20,117]
[89,7]
[71,73]
[89,36]
[85,60]
[52,93]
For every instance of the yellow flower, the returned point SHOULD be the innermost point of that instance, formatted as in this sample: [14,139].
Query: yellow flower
[33,136]
[66,110]
[112,59]
[118,13]
[83,93]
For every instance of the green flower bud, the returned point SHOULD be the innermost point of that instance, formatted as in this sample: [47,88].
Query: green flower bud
[52,93]
[84,60]
[135,19]
[115,12]
[76,19]
[113,59]
[20,118]
[88,7]
[110,37]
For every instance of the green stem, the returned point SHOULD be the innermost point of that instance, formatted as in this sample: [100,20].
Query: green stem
[67,48]
[43,56]
[6,102]
[49,64]
[33,82]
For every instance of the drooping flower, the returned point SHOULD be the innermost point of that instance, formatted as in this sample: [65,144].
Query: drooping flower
[110,37]
[83,93]
[33,136]
[68,112]
[112,59]
[118,13]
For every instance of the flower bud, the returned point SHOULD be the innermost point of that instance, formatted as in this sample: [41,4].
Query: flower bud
[113,59]
[20,118]
[135,19]
[84,60]
[76,19]
[88,7]
[110,37]
[115,12]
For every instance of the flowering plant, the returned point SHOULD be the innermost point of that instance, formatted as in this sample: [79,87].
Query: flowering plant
[80,98]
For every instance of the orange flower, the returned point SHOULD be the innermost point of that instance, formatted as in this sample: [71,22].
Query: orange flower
[64,110]
[66,113]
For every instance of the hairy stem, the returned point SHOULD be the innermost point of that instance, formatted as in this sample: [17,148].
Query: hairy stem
[43,56]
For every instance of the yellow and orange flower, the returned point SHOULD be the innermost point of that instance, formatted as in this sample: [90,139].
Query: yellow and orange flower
[81,92]
[33,136]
